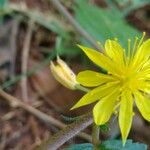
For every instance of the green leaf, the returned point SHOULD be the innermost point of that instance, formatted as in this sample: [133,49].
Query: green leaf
[66,46]
[85,146]
[117,145]
[110,145]
[104,128]
[3,3]
[103,23]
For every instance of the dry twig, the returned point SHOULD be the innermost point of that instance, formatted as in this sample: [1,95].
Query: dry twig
[25,54]
[14,102]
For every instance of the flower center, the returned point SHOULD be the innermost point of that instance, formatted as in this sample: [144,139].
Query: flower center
[128,81]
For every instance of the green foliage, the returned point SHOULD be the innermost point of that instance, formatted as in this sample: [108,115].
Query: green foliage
[117,145]
[104,128]
[102,23]
[85,146]
[110,145]
[3,3]
[66,47]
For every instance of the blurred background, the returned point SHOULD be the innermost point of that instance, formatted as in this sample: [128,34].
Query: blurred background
[33,32]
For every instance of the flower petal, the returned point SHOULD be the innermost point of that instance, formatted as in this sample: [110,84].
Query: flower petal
[92,78]
[99,59]
[96,94]
[104,108]
[143,104]
[142,55]
[144,86]
[115,52]
[125,114]
[144,50]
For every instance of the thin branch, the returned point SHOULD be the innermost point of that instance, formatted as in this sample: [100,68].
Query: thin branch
[67,133]
[95,136]
[25,55]
[14,102]
[75,24]
[13,47]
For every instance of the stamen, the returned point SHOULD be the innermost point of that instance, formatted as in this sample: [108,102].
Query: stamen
[129,48]
[134,46]
[100,45]
[141,40]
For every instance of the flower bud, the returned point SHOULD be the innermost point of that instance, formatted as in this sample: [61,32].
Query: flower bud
[63,74]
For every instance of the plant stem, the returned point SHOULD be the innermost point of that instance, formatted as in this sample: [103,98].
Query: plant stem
[24,65]
[73,22]
[82,88]
[54,142]
[95,136]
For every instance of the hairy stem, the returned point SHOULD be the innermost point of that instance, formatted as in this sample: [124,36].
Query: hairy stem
[67,133]
[82,88]
[95,136]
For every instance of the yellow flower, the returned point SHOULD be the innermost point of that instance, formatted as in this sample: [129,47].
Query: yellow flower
[63,74]
[127,81]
